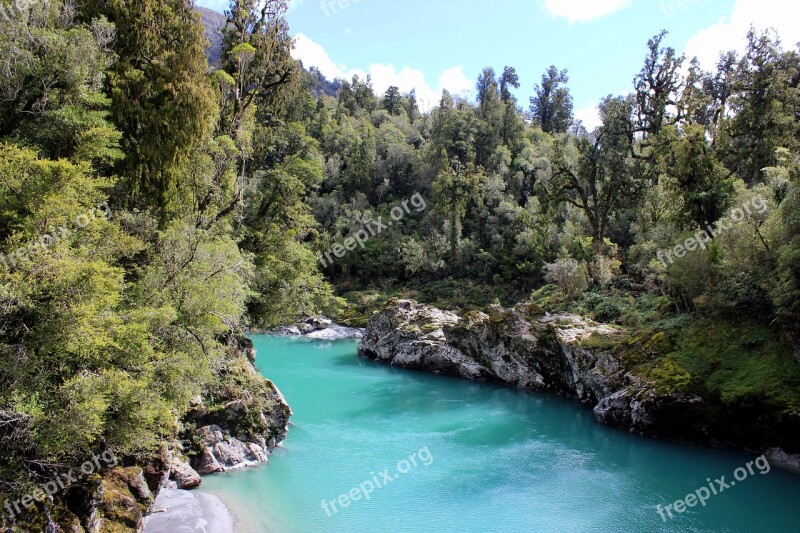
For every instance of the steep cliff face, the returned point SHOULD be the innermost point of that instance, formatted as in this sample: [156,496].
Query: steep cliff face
[609,369]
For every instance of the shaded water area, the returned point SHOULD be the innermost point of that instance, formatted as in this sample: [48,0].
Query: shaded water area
[473,457]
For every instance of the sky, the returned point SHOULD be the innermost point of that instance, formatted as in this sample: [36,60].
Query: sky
[430,45]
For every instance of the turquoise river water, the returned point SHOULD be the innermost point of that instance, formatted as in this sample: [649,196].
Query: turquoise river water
[475,457]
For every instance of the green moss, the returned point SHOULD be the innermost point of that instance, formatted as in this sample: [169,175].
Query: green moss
[631,349]
[644,346]
[741,362]
[667,375]
[119,507]
[551,298]
[614,306]
[472,316]
[458,295]
[237,381]
[601,342]
[533,311]
[498,318]
[35,520]
[502,321]
[410,328]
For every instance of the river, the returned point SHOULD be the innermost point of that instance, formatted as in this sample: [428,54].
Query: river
[390,450]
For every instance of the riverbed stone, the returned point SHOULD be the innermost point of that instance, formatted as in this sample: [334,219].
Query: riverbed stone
[183,474]
[207,463]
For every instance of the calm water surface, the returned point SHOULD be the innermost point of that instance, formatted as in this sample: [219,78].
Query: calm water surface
[492,460]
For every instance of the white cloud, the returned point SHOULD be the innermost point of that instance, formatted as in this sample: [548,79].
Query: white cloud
[314,55]
[454,80]
[294,4]
[589,115]
[584,10]
[730,33]
[384,75]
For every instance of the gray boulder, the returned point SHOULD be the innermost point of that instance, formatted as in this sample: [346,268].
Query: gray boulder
[183,474]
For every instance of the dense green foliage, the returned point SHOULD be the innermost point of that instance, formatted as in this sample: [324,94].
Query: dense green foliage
[590,221]
[520,201]
[152,206]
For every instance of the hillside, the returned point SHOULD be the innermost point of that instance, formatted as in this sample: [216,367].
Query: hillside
[213,23]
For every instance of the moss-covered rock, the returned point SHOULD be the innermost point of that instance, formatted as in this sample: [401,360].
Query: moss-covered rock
[704,381]
[248,411]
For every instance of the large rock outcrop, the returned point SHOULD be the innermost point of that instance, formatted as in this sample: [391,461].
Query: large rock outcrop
[522,347]
[611,370]
[236,426]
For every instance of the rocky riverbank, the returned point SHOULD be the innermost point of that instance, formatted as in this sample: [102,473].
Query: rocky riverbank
[235,425]
[618,373]
[320,328]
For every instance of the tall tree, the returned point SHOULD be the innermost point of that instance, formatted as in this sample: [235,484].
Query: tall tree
[596,178]
[410,105]
[256,66]
[703,184]
[551,108]
[256,50]
[765,103]
[512,126]
[162,99]
[490,111]
[392,101]
[508,80]
[454,187]
[657,87]
[786,287]
[486,87]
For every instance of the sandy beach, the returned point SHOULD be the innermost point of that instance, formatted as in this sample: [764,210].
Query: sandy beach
[188,512]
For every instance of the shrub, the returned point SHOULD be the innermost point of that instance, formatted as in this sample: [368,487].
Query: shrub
[567,275]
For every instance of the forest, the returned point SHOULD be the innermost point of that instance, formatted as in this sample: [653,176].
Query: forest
[154,205]
[523,199]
